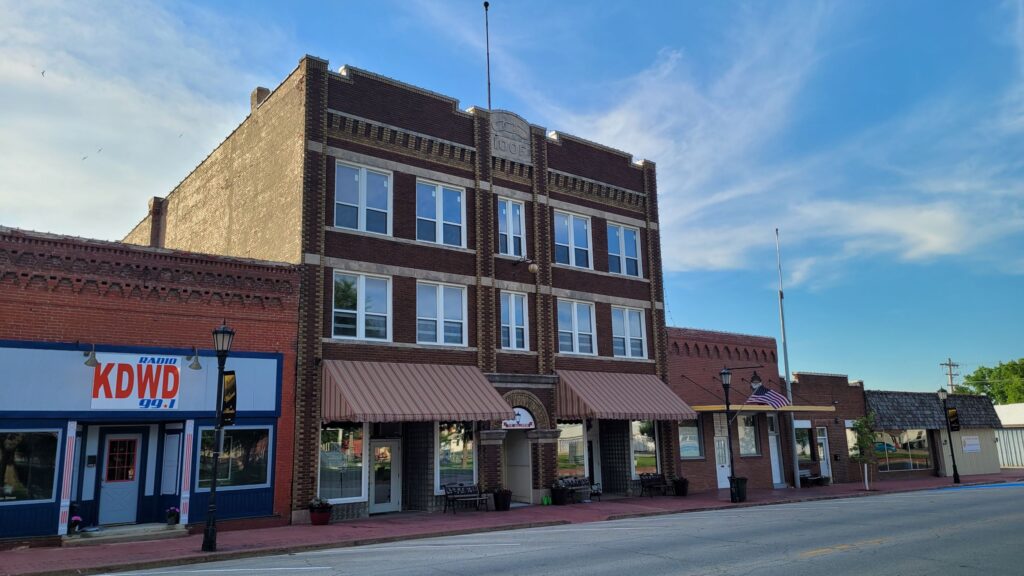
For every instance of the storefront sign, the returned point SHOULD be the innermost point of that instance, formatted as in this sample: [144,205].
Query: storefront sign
[510,137]
[135,382]
[522,421]
[971,444]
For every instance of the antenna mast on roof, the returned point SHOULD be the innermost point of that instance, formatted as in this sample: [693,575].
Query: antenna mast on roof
[487,36]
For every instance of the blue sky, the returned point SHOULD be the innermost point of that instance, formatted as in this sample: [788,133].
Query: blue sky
[884,139]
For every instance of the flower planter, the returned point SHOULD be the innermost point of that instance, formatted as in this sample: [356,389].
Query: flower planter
[681,486]
[502,500]
[559,496]
[172,520]
[320,517]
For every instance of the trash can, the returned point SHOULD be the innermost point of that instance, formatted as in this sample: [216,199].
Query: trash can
[737,489]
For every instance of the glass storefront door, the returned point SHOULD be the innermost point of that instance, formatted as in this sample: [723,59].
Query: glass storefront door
[386,476]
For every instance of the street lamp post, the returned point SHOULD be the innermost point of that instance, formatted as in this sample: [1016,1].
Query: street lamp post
[726,376]
[943,395]
[222,337]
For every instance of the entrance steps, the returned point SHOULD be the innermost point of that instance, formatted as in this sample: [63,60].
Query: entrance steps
[125,533]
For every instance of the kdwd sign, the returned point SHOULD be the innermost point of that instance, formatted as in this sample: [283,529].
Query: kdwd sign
[136,382]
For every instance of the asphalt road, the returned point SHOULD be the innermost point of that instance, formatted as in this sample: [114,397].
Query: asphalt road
[974,530]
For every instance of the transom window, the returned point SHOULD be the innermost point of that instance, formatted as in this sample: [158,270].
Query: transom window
[629,339]
[575,327]
[362,306]
[623,250]
[362,198]
[514,335]
[572,240]
[440,213]
[511,224]
[440,314]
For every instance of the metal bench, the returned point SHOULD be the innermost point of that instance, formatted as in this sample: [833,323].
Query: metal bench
[651,481]
[465,494]
[577,484]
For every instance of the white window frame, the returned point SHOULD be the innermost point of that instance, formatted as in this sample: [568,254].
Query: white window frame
[575,327]
[572,240]
[440,319]
[270,457]
[366,459]
[509,221]
[621,256]
[700,439]
[627,333]
[361,306]
[439,222]
[58,462]
[361,219]
[511,317]
[438,490]
[632,452]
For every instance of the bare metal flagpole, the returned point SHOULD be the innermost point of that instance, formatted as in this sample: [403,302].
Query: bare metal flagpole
[785,362]
[487,34]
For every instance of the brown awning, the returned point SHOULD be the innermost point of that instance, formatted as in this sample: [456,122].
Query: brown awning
[397,392]
[618,397]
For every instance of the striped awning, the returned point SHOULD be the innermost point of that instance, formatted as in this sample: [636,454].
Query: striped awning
[400,392]
[614,396]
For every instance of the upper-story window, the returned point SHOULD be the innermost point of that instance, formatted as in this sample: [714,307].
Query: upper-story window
[514,335]
[440,214]
[362,198]
[575,327]
[629,339]
[572,239]
[440,314]
[362,306]
[623,250]
[511,228]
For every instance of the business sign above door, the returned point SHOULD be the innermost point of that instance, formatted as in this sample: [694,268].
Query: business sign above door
[510,137]
[57,380]
[522,421]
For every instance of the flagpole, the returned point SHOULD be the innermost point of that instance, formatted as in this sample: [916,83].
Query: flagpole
[487,36]
[785,361]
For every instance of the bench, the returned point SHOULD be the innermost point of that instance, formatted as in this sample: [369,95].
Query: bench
[807,480]
[465,494]
[578,484]
[651,481]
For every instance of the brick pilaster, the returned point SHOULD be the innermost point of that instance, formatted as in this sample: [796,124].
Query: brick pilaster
[543,316]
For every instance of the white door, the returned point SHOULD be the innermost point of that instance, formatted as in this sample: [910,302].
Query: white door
[119,483]
[518,469]
[823,453]
[722,461]
[775,449]
[386,479]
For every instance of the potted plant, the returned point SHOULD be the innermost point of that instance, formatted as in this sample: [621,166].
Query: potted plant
[559,493]
[502,499]
[173,515]
[681,486]
[74,524]
[319,511]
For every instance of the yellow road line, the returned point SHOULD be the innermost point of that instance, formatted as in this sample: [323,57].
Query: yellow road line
[840,548]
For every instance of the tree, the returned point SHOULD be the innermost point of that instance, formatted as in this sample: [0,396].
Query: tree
[864,432]
[1004,384]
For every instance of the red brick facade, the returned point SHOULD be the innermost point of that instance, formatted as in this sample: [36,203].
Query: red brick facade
[848,399]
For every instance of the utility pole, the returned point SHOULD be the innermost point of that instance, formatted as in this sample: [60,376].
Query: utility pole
[950,365]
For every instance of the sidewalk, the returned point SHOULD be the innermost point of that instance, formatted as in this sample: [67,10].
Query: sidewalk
[403,526]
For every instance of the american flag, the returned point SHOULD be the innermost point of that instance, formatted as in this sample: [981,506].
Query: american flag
[763,395]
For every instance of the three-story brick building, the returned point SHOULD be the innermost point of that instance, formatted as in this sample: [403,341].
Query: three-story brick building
[481,299]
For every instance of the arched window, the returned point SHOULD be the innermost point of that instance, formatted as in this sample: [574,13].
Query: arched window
[728,353]
[774,360]
[696,350]
[675,348]
[707,351]
[717,355]
[746,354]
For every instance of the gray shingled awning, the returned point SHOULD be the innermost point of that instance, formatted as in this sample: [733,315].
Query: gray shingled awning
[913,410]
[397,392]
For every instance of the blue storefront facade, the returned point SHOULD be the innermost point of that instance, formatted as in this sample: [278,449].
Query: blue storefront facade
[125,438]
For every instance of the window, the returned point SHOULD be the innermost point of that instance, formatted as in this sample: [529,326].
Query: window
[244,462]
[628,334]
[341,462]
[902,450]
[362,306]
[514,335]
[747,427]
[456,454]
[120,460]
[803,446]
[440,212]
[511,224]
[362,199]
[851,443]
[572,240]
[572,457]
[690,439]
[440,314]
[28,465]
[643,442]
[575,327]
[623,250]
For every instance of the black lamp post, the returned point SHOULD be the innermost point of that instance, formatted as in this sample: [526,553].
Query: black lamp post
[222,338]
[949,433]
[726,376]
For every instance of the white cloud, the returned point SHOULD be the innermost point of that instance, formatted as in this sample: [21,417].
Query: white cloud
[133,97]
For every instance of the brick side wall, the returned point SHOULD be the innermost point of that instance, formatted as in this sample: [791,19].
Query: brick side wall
[848,399]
